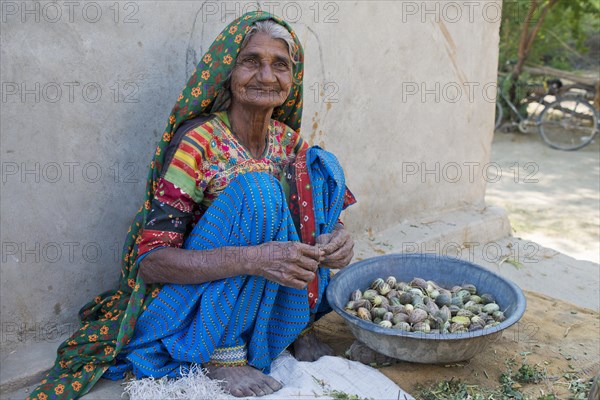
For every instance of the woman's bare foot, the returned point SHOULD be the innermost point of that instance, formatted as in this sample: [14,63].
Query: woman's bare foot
[363,354]
[308,348]
[244,380]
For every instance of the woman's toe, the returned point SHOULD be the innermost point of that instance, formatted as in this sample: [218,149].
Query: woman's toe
[257,390]
[273,384]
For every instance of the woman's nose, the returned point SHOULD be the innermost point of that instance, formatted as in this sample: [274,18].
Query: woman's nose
[265,74]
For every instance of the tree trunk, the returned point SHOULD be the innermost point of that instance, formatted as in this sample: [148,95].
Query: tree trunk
[583,78]
[527,38]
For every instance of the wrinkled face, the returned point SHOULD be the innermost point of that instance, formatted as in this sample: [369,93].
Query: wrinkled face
[262,76]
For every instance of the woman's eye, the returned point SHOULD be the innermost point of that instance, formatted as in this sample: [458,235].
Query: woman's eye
[249,61]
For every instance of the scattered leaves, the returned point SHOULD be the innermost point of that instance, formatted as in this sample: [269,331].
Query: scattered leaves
[336,394]
[511,381]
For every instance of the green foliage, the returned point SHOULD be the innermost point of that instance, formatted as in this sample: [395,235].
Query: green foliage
[579,388]
[452,390]
[510,383]
[561,40]
[565,30]
[336,394]
[529,374]
[509,389]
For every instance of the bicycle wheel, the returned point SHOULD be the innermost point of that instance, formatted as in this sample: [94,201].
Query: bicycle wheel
[499,115]
[568,124]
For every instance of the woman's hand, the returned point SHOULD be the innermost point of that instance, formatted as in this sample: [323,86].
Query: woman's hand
[290,264]
[338,247]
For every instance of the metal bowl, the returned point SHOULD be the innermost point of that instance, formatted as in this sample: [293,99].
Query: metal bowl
[429,348]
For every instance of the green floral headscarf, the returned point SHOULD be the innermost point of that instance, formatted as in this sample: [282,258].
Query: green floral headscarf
[108,322]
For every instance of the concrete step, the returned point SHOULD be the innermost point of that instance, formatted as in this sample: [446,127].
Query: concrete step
[103,390]
[438,233]
[27,361]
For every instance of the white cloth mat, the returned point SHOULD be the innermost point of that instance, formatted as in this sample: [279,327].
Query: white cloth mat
[301,380]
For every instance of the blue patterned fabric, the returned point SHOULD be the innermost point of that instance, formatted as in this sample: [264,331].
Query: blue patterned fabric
[243,317]
[328,186]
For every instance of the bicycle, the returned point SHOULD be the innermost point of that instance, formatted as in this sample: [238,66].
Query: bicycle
[566,122]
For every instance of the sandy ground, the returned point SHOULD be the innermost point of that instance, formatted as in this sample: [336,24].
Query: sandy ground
[557,336]
[552,197]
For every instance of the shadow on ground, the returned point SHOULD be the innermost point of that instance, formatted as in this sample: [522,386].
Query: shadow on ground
[552,197]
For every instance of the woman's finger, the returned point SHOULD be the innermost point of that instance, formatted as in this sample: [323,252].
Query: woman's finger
[298,278]
[296,284]
[338,241]
[313,252]
[346,261]
[324,239]
[308,264]
[341,252]
[291,251]
[290,275]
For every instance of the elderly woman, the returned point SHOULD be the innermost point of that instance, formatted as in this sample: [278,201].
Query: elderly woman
[226,263]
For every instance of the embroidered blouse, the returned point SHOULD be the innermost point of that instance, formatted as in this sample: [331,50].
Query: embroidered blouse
[205,161]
